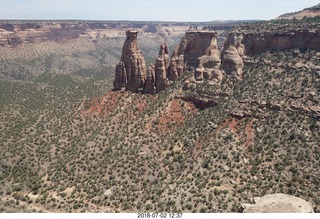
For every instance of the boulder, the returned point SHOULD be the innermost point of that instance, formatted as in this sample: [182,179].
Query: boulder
[277,203]
[189,84]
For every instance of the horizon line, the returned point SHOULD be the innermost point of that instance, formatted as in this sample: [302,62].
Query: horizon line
[142,21]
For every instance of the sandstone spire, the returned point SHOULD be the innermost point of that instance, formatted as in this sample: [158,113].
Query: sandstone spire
[131,71]
[161,68]
[150,80]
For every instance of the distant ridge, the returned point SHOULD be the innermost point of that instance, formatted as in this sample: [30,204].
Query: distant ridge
[316,7]
[305,13]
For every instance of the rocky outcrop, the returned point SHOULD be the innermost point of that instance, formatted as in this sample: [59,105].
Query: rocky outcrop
[198,48]
[242,44]
[201,102]
[197,51]
[302,39]
[232,54]
[277,203]
[161,68]
[156,78]
[150,80]
[176,67]
[121,76]
[131,71]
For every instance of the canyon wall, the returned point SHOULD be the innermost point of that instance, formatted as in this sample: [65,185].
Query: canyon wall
[240,44]
[14,33]
[194,45]
[198,52]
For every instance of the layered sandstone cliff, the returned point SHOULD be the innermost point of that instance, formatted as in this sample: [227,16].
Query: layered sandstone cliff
[131,70]
[15,33]
[241,44]
[195,45]
[198,52]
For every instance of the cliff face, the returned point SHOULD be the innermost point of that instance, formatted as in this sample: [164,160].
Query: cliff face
[131,71]
[14,33]
[203,56]
[304,39]
[232,55]
[198,52]
[194,45]
[240,44]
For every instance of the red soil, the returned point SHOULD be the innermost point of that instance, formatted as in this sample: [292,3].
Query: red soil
[232,123]
[249,134]
[173,116]
[103,105]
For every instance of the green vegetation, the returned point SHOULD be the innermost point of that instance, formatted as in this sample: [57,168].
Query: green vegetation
[69,144]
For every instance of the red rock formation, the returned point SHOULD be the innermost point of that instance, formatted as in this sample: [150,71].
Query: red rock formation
[197,49]
[239,45]
[150,80]
[232,55]
[132,65]
[193,45]
[161,68]
[302,39]
[176,67]
[121,77]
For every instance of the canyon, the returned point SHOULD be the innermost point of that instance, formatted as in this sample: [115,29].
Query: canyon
[13,33]
[198,52]
[159,116]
